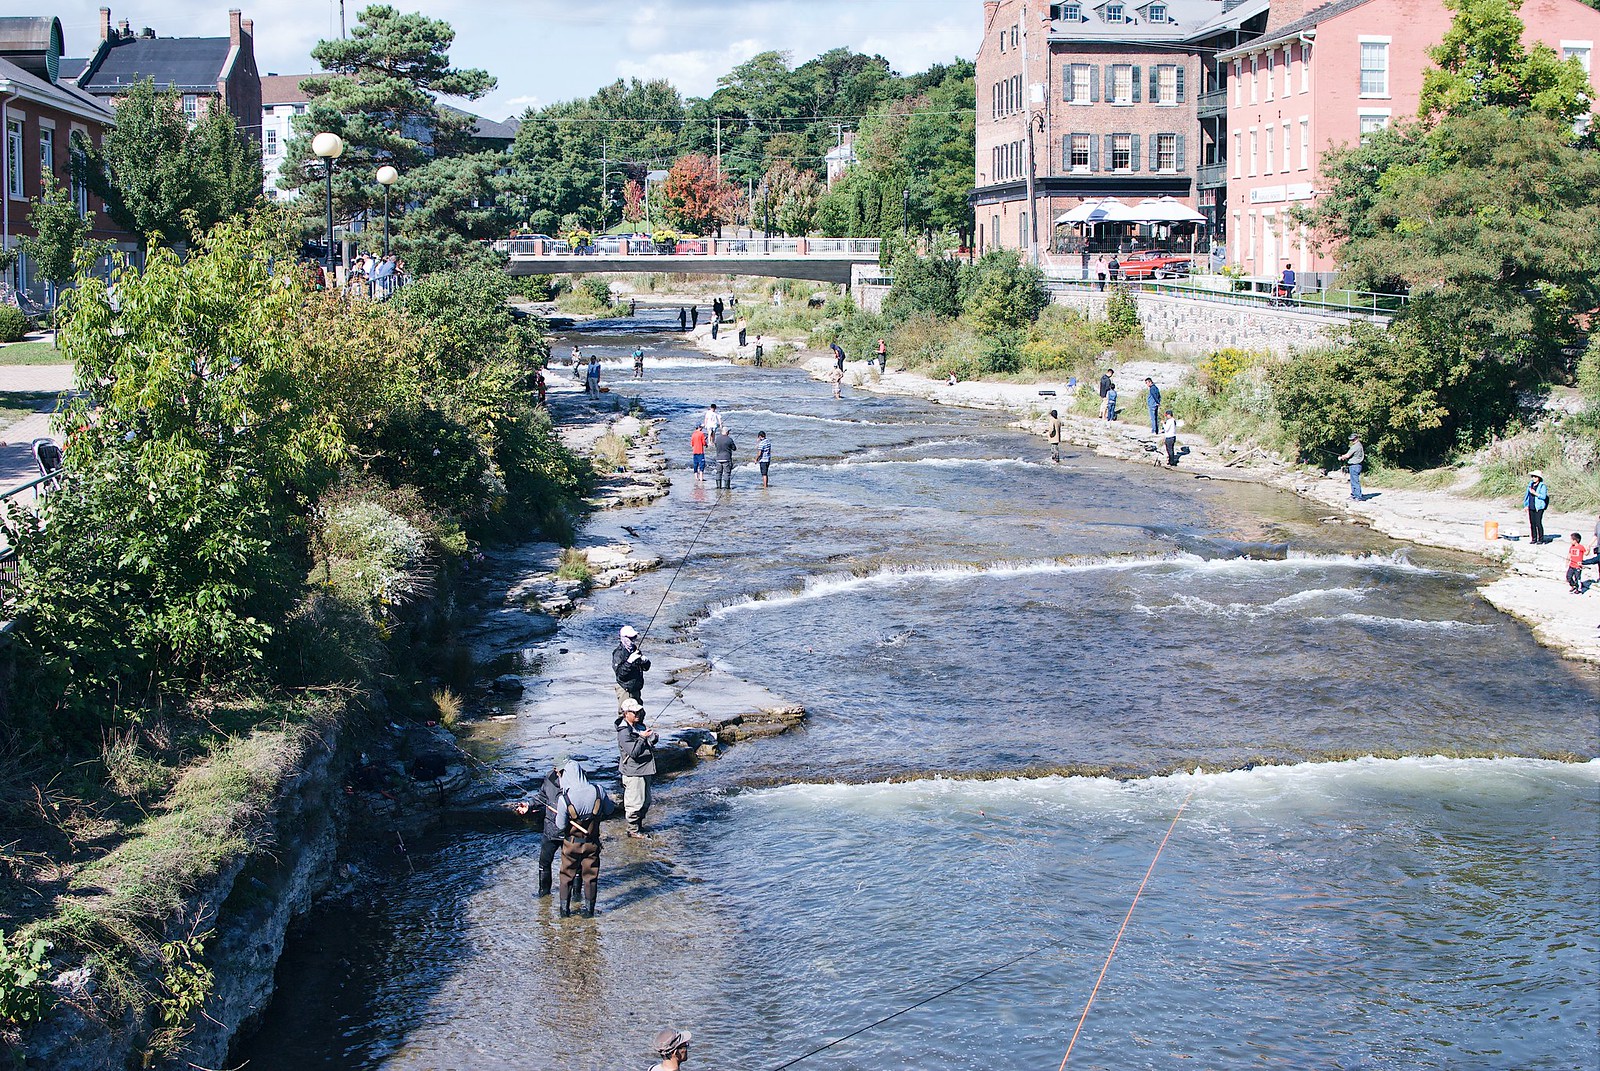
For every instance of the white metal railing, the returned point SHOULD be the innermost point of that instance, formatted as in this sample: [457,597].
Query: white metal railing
[846,248]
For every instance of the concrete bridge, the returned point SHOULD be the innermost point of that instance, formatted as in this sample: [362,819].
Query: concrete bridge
[822,260]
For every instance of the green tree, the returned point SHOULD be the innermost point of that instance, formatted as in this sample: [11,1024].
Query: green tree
[1482,63]
[379,94]
[161,179]
[930,284]
[1000,293]
[456,205]
[62,234]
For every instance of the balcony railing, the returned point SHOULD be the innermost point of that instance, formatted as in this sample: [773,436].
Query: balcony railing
[1212,175]
[1213,103]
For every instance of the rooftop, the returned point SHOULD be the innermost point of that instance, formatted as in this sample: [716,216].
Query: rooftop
[181,63]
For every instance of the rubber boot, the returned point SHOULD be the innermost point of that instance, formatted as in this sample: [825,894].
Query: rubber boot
[566,899]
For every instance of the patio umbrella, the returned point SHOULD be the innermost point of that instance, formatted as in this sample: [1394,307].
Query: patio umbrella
[1109,210]
[1166,210]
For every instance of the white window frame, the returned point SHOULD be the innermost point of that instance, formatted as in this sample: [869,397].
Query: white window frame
[1170,140]
[1288,80]
[1163,96]
[1269,139]
[1238,80]
[1254,152]
[1251,215]
[1118,71]
[1156,12]
[1364,114]
[270,142]
[1582,50]
[1305,142]
[1361,68]
[1072,153]
[1272,54]
[47,156]
[1255,83]
[191,107]
[15,155]
[1286,157]
[1305,66]
[1071,13]
[1116,14]
[1082,92]
[1121,143]
[1238,154]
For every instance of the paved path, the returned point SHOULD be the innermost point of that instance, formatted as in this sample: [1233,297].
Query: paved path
[16,455]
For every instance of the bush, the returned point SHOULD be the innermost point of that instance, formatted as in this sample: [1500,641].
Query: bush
[13,324]
[1001,293]
[598,291]
[1122,317]
[1217,370]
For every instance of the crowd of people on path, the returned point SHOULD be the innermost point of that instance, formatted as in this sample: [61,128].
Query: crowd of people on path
[370,276]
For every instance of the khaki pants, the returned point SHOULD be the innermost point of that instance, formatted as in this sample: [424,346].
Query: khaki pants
[635,801]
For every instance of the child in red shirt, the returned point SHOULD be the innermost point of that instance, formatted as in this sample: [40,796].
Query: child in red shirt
[1575,564]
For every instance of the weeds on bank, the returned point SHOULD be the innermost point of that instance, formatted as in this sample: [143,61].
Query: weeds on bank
[575,566]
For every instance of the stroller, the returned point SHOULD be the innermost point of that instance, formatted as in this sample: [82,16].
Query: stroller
[48,456]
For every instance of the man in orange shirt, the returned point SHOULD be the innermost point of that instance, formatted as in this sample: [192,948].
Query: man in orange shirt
[1575,564]
[697,451]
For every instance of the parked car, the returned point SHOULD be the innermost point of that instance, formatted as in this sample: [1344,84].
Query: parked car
[1154,264]
[691,245]
[641,243]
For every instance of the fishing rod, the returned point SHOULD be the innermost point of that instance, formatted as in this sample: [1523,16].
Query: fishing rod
[684,561]
[711,663]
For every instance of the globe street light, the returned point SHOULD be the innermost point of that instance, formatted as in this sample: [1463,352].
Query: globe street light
[329,147]
[387,176]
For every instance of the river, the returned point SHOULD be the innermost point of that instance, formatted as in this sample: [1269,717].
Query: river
[1390,855]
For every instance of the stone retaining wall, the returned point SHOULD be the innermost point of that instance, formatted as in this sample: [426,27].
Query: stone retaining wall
[1190,327]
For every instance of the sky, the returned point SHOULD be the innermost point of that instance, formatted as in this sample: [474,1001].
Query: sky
[543,51]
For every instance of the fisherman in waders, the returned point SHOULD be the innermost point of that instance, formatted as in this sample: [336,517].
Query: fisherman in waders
[543,806]
[1052,435]
[636,762]
[629,664]
[580,809]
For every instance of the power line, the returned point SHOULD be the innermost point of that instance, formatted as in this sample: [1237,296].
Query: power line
[750,120]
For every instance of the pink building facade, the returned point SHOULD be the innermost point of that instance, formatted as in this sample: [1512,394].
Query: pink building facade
[1318,82]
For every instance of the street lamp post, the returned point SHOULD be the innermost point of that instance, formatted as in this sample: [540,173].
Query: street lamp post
[905,211]
[329,147]
[387,176]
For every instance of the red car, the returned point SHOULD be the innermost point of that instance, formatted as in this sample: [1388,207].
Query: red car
[1155,265]
[690,245]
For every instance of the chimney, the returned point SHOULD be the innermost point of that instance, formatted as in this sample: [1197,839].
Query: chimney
[990,8]
[250,28]
[105,24]
[233,26]
[1283,12]
[122,29]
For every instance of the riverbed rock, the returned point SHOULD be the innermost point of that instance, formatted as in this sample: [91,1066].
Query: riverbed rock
[509,684]
[772,721]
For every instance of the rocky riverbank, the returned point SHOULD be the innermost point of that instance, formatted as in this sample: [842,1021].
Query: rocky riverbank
[1532,587]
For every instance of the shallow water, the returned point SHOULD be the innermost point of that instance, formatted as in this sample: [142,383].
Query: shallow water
[946,601]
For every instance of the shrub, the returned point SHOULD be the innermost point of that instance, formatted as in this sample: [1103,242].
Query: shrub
[13,324]
[1122,317]
[1218,368]
[598,291]
[1000,292]
[24,990]
[575,566]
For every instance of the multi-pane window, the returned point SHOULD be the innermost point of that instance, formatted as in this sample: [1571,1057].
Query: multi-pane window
[1122,84]
[80,190]
[1374,68]
[1271,55]
[1166,152]
[1122,152]
[1078,152]
[1238,153]
[271,135]
[1167,84]
[1305,67]
[1071,13]
[1582,51]
[1305,142]
[1288,87]
[1371,121]
[1268,140]
[1255,83]
[14,158]
[1157,13]
[1286,146]
[1238,80]
[1254,146]
[1082,86]
[1114,13]
[47,152]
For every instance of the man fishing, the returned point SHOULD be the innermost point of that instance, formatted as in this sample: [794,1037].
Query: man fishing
[636,762]
[543,806]
[629,664]
[581,807]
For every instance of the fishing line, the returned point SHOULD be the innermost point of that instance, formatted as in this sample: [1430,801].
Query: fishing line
[711,663]
[687,551]
[925,1000]
[1120,930]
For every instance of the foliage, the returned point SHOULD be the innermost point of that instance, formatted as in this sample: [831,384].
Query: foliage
[1122,317]
[24,993]
[930,284]
[14,324]
[380,94]
[186,983]
[370,556]
[597,290]
[1484,64]
[1002,293]
[787,199]
[1218,368]
[575,566]
[697,198]
[454,206]
[1570,463]
[61,234]
[1411,394]
[164,181]
[1589,375]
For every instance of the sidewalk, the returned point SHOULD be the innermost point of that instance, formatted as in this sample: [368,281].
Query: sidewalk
[16,455]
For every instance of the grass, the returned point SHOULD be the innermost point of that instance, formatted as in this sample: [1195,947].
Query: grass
[575,566]
[610,452]
[31,353]
[17,405]
[1570,463]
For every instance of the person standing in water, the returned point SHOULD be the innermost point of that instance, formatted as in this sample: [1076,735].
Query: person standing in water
[544,805]
[697,454]
[581,808]
[723,446]
[763,455]
[712,421]
[636,762]
[638,362]
[628,665]
[1052,435]
[592,382]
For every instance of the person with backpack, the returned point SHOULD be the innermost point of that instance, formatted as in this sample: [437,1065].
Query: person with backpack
[543,808]
[581,807]
[636,762]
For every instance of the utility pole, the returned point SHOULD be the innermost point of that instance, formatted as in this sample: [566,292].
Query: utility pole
[1027,115]
[719,148]
[341,20]
[604,174]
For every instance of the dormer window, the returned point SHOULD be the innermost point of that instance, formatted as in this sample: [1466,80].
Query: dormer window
[1071,13]
[1157,13]
[1114,13]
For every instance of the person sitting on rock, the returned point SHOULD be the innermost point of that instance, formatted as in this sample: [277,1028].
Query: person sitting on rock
[629,664]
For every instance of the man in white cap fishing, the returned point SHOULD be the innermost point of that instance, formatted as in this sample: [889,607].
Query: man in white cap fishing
[673,1048]
[636,763]
[629,664]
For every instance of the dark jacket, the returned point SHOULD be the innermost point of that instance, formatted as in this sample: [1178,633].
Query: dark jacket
[544,805]
[723,446]
[1105,385]
[636,755]
[630,674]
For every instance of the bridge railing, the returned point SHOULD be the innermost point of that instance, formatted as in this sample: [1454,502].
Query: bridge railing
[710,247]
[1259,293]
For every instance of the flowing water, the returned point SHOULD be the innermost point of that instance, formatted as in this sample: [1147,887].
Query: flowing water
[954,611]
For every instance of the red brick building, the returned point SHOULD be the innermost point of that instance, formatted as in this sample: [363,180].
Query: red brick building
[1099,98]
[40,113]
